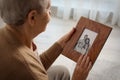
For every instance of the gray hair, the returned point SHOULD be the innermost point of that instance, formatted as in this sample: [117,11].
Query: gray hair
[14,12]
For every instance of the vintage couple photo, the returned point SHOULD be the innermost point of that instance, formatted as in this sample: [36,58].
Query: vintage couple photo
[85,41]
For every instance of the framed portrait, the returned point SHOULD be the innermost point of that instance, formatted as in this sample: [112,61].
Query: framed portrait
[89,38]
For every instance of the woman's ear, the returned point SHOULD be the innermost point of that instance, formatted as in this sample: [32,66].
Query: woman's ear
[32,17]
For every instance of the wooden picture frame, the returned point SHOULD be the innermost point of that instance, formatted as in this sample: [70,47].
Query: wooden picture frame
[87,31]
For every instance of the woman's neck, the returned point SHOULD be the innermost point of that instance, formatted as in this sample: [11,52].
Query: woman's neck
[23,34]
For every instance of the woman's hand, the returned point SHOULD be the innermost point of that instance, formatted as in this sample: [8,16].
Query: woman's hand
[82,68]
[63,40]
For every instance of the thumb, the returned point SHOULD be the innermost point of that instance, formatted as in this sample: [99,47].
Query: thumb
[63,40]
[70,34]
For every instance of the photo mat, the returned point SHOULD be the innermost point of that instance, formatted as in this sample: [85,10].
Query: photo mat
[89,38]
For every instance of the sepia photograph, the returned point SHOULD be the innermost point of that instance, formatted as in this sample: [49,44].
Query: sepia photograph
[85,41]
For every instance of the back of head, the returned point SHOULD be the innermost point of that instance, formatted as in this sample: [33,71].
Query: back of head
[14,12]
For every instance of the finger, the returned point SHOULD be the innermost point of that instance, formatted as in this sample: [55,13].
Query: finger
[80,60]
[69,35]
[84,61]
[89,66]
[87,63]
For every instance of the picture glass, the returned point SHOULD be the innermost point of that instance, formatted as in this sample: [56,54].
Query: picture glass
[85,41]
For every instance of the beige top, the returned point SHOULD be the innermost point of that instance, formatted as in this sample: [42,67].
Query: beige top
[18,62]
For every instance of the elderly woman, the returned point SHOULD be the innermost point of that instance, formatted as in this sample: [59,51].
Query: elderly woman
[25,19]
